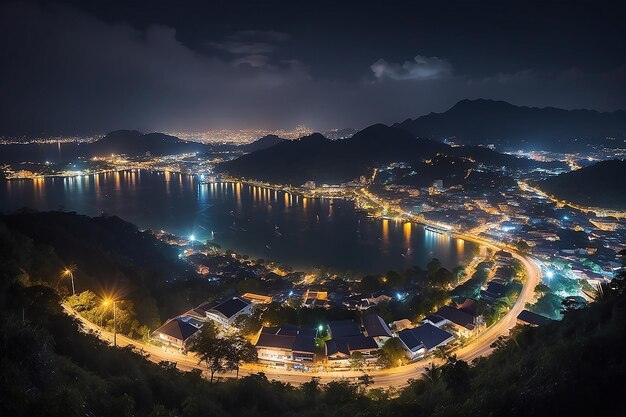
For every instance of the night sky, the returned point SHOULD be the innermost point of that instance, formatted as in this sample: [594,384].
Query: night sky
[80,67]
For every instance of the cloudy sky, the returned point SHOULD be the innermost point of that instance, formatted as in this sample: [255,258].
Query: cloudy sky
[77,67]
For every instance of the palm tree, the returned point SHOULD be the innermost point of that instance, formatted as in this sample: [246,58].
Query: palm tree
[431,374]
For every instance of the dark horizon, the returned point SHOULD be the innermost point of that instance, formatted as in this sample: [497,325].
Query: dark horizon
[82,68]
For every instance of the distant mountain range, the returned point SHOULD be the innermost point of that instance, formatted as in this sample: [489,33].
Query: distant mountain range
[600,185]
[262,143]
[488,121]
[126,142]
[317,158]
[131,142]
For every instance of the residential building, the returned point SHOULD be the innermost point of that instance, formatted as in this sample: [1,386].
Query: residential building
[286,345]
[529,318]
[346,339]
[376,327]
[423,339]
[178,331]
[224,312]
[461,322]
[257,298]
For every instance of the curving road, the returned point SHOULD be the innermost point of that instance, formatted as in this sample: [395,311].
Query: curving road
[395,377]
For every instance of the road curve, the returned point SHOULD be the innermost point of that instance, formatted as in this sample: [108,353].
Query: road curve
[394,377]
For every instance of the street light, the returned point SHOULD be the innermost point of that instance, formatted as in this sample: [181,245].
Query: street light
[107,301]
[192,238]
[70,272]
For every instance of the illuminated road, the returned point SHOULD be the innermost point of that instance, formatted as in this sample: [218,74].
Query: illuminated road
[394,377]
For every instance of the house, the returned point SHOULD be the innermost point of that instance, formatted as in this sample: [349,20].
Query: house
[314,298]
[379,296]
[346,339]
[341,349]
[435,320]
[224,312]
[526,317]
[423,339]
[402,324]
[494,291]
[177,331]
[462,323]
[286,345]
[343,328]
[376,327]
[257,298]
[472,307]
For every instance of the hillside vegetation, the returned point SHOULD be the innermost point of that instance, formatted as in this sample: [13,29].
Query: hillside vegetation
[49,367]
[600,185]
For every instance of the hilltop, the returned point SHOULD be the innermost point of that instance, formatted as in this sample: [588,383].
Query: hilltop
[487,121]
[124,142]
[599,185]
[317,158]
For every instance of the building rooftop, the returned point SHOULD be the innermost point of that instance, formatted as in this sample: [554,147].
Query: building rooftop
[457,317]
[434,319]
[288,337]
[343,328]
[375,326]
[231,306]
[470,306]
[348,344]
[533,319]
[177,329]
[426,335]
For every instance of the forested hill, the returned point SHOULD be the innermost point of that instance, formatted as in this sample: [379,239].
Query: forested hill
[599,185]
[49,368]
[488,121]
[111,257]
[317,158]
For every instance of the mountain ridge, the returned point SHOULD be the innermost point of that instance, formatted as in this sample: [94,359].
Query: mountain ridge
[597,185]
[484,121]
[317,158]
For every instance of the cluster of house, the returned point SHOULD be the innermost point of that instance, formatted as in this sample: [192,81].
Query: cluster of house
[178,331]
[297,346]
[293,345]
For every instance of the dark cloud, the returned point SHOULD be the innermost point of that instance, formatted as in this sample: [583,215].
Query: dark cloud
[70,71]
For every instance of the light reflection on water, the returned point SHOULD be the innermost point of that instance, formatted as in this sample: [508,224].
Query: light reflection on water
[263,223]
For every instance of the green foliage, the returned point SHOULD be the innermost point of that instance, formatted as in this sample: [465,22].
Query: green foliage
[393,353]
[49,367]
[521,246]
[357,361]
[548,305]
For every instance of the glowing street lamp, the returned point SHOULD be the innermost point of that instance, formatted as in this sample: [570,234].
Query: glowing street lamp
[107,302]
[192,238]
[70,272]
